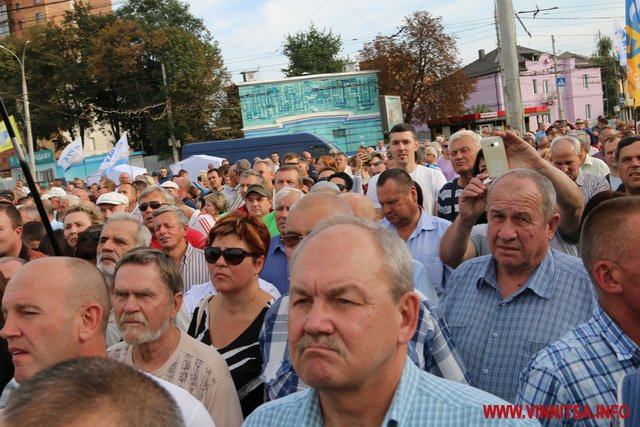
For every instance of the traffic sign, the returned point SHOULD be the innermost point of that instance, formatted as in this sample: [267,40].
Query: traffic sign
[561,81]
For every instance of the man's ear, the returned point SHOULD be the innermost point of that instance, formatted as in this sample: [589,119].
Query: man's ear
[409,306]
[608,277]
[90,321]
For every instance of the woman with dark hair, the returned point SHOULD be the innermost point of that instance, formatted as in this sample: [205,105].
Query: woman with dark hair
[230,320]
[87,247]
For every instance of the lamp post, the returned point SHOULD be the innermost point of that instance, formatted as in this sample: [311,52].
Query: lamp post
[27,115]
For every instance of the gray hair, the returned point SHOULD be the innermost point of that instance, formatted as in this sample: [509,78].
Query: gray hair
[168,269]
[284,192]
[267,162]
[542,183]
[31,212]
[462,133]
[394,251]
[252,172]
[242,165]
[571,139]
[179,214]
[580,135]
[73,200]
[166,196]
[143,235]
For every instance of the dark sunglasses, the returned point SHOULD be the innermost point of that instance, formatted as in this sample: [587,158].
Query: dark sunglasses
[232,256]
[341,187]
[291,240]
[154,205]
[579,123]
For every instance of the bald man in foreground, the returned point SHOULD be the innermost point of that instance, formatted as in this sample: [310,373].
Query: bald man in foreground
[49,321]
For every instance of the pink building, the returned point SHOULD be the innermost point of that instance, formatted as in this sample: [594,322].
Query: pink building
[582,97]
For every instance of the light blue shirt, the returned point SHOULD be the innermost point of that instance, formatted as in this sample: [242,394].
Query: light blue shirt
[497,336]
[421,399]
[276,266]
[424,246]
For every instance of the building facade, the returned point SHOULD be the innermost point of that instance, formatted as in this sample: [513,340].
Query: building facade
[579,80]
[343,108]
[18,15]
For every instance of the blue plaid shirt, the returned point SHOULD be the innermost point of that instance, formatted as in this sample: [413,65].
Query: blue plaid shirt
[583,368]
[430,349]
[421,399]
[497,336]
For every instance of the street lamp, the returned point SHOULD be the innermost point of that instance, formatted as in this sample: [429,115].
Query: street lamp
[27,115]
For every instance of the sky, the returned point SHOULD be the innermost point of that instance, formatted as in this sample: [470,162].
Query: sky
[250,33]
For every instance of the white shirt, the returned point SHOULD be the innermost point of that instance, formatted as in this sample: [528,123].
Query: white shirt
[192,297]
[430,181]
[595,166]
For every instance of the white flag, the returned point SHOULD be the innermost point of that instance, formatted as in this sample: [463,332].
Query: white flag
[118,153]
[620,43]
[71,154]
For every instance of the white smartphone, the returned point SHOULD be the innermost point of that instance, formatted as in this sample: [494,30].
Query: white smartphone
[495,155]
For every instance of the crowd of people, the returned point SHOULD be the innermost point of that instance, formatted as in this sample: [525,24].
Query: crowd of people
[396,286]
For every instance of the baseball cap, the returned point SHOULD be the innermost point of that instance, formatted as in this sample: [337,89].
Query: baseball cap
[259,189]
[56,192]
[113,199]
[169,184]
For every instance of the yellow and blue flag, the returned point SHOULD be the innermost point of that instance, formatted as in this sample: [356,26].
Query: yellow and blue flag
[5,140]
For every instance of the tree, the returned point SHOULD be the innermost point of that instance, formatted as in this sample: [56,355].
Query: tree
[312,52]
[608,71]
[421,65]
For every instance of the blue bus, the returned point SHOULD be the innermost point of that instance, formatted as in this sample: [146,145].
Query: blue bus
[263,146]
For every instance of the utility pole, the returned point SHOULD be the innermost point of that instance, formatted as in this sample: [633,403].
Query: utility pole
[27,114]
[172,135]
[555,72]
[510,70]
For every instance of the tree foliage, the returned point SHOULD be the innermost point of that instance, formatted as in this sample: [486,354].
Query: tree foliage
[605,58]
[312,52]
[421,65]
[107,69]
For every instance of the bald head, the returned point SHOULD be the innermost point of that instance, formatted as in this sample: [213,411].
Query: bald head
[311,210]
[361,206]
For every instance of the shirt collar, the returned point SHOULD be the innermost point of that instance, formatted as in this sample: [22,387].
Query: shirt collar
[402,403]
[580,178]
[624,347]
[425,223]
[539,282]
[276,244]
[588,160]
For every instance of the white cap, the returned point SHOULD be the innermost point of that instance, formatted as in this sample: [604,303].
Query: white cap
[113,199]
[169,184]
[56,192]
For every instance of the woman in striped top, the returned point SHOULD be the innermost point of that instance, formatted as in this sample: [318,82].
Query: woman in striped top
[230,320]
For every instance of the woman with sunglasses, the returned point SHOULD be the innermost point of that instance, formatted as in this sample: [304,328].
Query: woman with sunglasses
[77,219]
[230,320]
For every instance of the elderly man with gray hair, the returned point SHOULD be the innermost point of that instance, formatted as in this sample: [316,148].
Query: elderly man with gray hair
[170,228]
[565,155]
[464,146]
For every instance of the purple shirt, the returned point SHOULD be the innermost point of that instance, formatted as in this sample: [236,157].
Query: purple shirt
[447,168]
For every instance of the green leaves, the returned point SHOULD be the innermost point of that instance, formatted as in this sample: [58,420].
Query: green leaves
[312,52]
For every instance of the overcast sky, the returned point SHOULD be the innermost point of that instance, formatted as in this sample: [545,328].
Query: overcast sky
[251,32]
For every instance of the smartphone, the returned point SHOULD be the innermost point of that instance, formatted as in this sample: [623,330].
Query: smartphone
[495,155]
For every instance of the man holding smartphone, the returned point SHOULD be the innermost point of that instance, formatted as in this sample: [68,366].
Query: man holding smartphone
[403,144]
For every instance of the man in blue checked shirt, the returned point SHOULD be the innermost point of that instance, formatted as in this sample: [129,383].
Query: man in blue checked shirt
[585,366]
[504,307]
[352,313]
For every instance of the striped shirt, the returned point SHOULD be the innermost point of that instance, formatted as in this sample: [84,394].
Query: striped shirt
[590,185]
[430,349]
[194,268]
[420,399]
[448,200]
[202,222]
[242,355]
[497,336]
[582,368]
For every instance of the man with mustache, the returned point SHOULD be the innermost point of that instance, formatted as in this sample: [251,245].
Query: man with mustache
[147,298]
[352,314]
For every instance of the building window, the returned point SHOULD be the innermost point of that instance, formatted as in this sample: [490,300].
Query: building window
[37,1]
[545,86]
[339,133]
[587,111]
[585,81]
[535,87]
[17,6]
[20,24]
[39,17]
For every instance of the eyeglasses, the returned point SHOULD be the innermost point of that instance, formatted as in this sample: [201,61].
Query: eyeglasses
[291,164]
[154,205]
[341,187]
[232,256]
[445,146]
[579,123]
[291,240]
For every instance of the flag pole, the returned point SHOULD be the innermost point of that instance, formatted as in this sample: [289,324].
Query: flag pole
[22,159]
